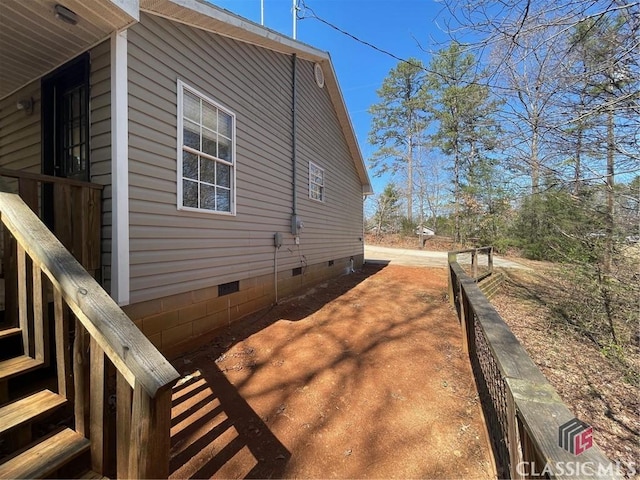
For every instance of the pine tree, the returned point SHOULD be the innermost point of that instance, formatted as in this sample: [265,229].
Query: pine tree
[463,111]
[398,123]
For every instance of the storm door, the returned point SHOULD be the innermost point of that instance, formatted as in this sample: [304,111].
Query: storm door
[65,121]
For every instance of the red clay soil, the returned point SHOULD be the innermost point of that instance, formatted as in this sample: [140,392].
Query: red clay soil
[362,377]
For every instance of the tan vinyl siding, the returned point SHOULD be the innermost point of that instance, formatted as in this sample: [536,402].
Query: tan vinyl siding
[20,133]
[179,251]
[338,220]
[100,101]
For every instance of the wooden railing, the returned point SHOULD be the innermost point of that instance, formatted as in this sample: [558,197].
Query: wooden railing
[72,210]
[102,332]
[477,269]
[522,410]
[73,207]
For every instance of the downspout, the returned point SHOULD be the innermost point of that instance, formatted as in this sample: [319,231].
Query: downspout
[277,238]
[294,214]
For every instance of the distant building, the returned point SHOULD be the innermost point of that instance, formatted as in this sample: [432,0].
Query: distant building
[425,231]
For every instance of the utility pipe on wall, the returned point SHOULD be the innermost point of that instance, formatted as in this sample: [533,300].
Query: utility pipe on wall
[293,131]
[277,243]
[275,272]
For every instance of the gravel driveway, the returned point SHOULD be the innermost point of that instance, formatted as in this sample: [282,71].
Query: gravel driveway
[423,258]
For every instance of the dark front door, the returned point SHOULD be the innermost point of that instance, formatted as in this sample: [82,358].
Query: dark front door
[65,120]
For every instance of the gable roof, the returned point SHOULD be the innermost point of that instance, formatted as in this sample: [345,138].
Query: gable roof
[199,14]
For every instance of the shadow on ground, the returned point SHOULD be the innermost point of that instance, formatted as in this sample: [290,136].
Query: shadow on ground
[208,430]
[212,423]
[359,377]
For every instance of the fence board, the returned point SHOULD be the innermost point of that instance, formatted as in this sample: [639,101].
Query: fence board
[97,407]
[63,360]
[523,411]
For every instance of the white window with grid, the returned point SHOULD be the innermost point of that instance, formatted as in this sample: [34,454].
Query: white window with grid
[206,153]
[316,182]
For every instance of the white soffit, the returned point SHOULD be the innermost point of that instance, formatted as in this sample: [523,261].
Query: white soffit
[33,41]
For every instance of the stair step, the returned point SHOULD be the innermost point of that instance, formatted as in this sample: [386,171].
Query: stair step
[44,458]
[91,475]
[10,332]
[17,365]
[28,409]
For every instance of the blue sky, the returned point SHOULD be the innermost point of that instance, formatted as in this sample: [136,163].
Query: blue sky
[393,25]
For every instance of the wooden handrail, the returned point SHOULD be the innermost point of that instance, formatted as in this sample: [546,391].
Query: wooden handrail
[144,377]
[475,254]
[126,346]
[522,409]
[7,172]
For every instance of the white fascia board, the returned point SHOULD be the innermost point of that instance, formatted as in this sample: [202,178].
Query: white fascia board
[119,170]
[234,26]
[350,133]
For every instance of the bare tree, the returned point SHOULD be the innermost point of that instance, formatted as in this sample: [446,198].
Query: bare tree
[431,182]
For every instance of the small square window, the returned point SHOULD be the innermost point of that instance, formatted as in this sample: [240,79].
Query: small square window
[316,182]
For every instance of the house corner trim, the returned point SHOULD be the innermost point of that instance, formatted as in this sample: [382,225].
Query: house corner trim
[119,170]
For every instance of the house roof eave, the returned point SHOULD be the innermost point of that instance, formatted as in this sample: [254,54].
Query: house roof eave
[206,16]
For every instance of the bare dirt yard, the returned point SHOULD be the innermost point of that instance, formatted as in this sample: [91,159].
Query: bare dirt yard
[595,386]
[362,377]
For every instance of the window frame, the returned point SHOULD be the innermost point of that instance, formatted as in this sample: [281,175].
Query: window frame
[181,148]
[323,187]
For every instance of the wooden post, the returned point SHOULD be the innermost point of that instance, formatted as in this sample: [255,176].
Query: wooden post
[38,317]
[452,258]
[78,206]
[150,434]
[96,407]
[450,287]
[123,425]
[10,270]
[490,260]
[474,264]
[63,360]
[91,253]
[22,296]
[464,312]
[79,362]
[62,213]
[513,437]
[28,191]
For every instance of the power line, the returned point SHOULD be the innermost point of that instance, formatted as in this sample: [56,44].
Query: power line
[305,8]
[303,15]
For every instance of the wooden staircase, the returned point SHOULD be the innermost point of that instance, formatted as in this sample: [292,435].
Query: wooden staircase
[67,352]
[25,457]
[491,284]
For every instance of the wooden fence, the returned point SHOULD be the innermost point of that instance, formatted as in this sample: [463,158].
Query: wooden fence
[71,208]
[105,338]
[523,412]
